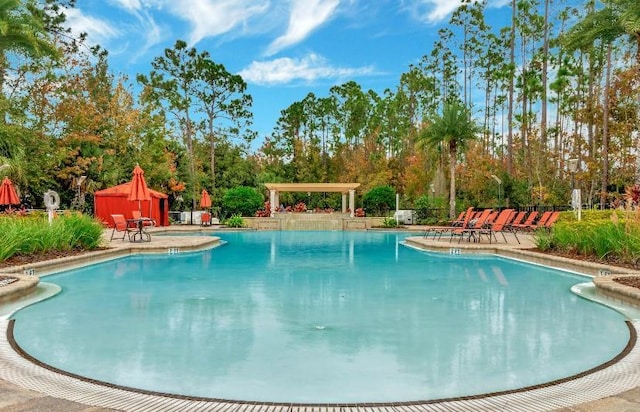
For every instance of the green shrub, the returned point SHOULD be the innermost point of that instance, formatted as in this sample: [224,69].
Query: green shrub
[379,200]
[235,221]
[389,222]
[243,201]
[422,207]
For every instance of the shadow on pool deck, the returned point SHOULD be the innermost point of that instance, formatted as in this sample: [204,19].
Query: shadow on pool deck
[17,392]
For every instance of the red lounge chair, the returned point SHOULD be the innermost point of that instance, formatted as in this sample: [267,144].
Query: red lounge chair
[540,223]
[147,222]
[527,223]
[473,227]
[205,219]
[552,219]
[120,225]
[500,226]
[546,221]
[461,222]
[518,219]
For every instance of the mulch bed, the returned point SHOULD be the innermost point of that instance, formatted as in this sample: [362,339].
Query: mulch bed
[633,281]
[577,256]
[18,260]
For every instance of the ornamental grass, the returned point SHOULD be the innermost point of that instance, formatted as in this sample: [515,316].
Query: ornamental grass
[32,234]
[610,236]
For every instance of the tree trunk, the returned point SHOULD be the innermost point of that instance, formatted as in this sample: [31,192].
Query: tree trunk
[512,61]
[212,143]
[545,58]
[605,133]
[637,179]
[452,182]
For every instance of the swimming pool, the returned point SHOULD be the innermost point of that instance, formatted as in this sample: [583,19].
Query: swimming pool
[319,317]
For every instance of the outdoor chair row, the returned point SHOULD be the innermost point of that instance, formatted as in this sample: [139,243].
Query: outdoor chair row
[472,225]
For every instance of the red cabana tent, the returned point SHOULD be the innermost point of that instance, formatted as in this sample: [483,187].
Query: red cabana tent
[114,200]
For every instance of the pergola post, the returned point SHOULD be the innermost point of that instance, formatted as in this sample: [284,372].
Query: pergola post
[352,195]
[344,203]
[272,201]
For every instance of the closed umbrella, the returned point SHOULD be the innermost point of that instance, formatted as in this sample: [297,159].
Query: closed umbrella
[205,199]
[8,195]
[139,190]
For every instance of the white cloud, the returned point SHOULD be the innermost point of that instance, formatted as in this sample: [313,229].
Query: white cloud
[213,18]
[305,16]
[286,70]
[431,11]
[99,31]
[118,36]
[129,5]
[499,3]
[435,11]
[152,33]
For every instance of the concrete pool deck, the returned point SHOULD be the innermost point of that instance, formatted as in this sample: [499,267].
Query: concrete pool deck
[26,386]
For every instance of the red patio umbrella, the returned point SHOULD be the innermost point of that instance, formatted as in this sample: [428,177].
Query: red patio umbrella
[8,195]
[205,199]
[139,190]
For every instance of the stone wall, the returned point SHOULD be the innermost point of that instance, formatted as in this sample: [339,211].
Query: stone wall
[313,221]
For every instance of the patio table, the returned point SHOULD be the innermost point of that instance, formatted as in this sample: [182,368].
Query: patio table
[140,235]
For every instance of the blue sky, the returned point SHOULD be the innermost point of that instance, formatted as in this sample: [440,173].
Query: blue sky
[284,49]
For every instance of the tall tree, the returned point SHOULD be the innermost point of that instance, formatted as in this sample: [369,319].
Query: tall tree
[172,84]
[225,104]
[452,130]
[617,19]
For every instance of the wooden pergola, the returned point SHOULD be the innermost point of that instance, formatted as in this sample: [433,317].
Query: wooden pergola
[344,188]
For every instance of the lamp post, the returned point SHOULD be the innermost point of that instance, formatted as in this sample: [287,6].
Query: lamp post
[499,181]
[433,197]
[576,195]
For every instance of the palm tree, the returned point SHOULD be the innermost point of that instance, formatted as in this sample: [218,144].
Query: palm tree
[22,32]
[453,129]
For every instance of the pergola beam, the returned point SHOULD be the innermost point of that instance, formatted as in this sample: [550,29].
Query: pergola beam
[313,187]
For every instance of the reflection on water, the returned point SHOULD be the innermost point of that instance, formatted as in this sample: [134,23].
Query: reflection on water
[319,317]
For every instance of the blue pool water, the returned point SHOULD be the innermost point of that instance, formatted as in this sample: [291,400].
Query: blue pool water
[319,317]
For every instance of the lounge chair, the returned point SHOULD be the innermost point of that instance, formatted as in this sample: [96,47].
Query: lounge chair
[539,224]
[546,221]
[146,222]
[492,217]
[460,222]
[473,227]
[500,226]
[552,219]
[205,219]
[120,225]
[527,223]
[518,219]
[460,219]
